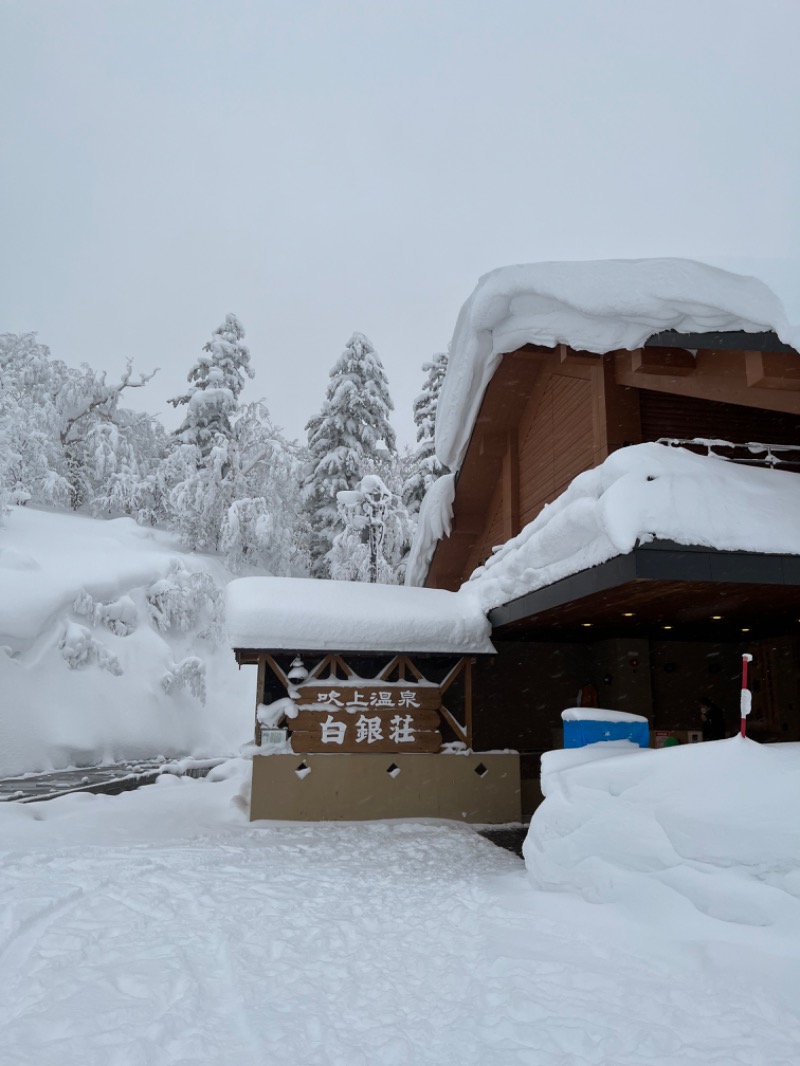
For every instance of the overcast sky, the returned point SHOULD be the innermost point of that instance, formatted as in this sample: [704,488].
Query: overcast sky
[323,167]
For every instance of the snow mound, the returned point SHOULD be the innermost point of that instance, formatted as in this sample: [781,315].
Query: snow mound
[598,307]
[111,646]
[706,828]
[640,493]
[304,614]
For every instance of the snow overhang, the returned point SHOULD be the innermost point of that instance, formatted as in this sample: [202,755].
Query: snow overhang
[303,614]
[590,308]
[596,306]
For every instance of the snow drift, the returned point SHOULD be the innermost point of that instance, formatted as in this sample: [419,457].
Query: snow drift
[707,828]
[111,646]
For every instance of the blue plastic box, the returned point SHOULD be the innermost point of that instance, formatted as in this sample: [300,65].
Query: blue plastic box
[579,734]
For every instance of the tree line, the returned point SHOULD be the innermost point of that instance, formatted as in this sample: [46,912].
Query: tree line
[342,505]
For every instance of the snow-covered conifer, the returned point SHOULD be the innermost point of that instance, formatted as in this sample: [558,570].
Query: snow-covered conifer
[215,382]
[199,475]
[348,439]
[427,467]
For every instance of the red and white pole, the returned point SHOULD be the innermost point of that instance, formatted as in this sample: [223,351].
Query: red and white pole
[746,698]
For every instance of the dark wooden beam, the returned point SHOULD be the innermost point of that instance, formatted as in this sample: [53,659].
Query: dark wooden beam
[736,340]
[663,587]
[671,361]
[773,370]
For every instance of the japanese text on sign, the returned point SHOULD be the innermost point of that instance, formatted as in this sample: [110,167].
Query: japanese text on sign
[388,699]
[369,730]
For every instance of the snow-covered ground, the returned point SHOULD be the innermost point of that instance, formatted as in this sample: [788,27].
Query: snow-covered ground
[112,646]
[160,928]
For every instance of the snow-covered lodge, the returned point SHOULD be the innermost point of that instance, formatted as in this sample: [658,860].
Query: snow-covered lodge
[623,507]
[630,571]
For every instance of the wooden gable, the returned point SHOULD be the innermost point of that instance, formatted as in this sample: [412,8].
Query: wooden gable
[549,414]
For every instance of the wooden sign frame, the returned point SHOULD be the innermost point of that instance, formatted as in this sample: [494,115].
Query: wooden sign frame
[333,667]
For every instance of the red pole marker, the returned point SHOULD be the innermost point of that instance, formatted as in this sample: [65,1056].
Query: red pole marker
[746,698]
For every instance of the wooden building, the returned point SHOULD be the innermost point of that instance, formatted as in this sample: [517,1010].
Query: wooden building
[653,630]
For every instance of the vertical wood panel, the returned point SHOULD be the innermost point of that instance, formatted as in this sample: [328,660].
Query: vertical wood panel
[559,441]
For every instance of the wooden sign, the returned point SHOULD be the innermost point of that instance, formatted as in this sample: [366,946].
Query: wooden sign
[397,696]
[381,716]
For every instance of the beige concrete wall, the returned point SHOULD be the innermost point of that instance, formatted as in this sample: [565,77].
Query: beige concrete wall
[359,787]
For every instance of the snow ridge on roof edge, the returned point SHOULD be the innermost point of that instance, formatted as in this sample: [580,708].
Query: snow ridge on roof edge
[595,306]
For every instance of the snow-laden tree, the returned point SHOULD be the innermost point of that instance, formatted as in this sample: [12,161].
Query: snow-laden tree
[349,438]
[427,467]
[120,467]
[49,413]
[260,527]
[374,542]
[215,382]
[199,473]
[231,478]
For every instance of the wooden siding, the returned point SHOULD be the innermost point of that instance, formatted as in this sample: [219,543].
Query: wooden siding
[665,415]
[493,533]
[549,414]
[556,442]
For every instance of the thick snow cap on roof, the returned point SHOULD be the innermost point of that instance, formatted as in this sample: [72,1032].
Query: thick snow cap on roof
[592,306]
[301,614]
[638,494]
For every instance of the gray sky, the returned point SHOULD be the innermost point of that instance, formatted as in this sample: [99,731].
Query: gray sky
[324,167]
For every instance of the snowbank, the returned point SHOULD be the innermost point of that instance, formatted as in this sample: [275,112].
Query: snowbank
[302,614]
[111,646]
[704,827]
[640,493]
[592,306]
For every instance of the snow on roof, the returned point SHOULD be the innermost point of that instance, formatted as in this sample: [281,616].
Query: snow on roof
[641,493]
[596,306]
[599,714]
[304,614]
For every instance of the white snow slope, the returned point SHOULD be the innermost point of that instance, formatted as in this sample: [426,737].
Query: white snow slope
[159,928]
[108,635]
[638,493]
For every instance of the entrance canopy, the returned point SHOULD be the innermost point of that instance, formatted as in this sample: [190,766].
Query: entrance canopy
[645,493]
[302,614]
[663,590]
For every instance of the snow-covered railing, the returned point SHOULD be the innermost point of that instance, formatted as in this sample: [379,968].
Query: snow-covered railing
[756,454]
